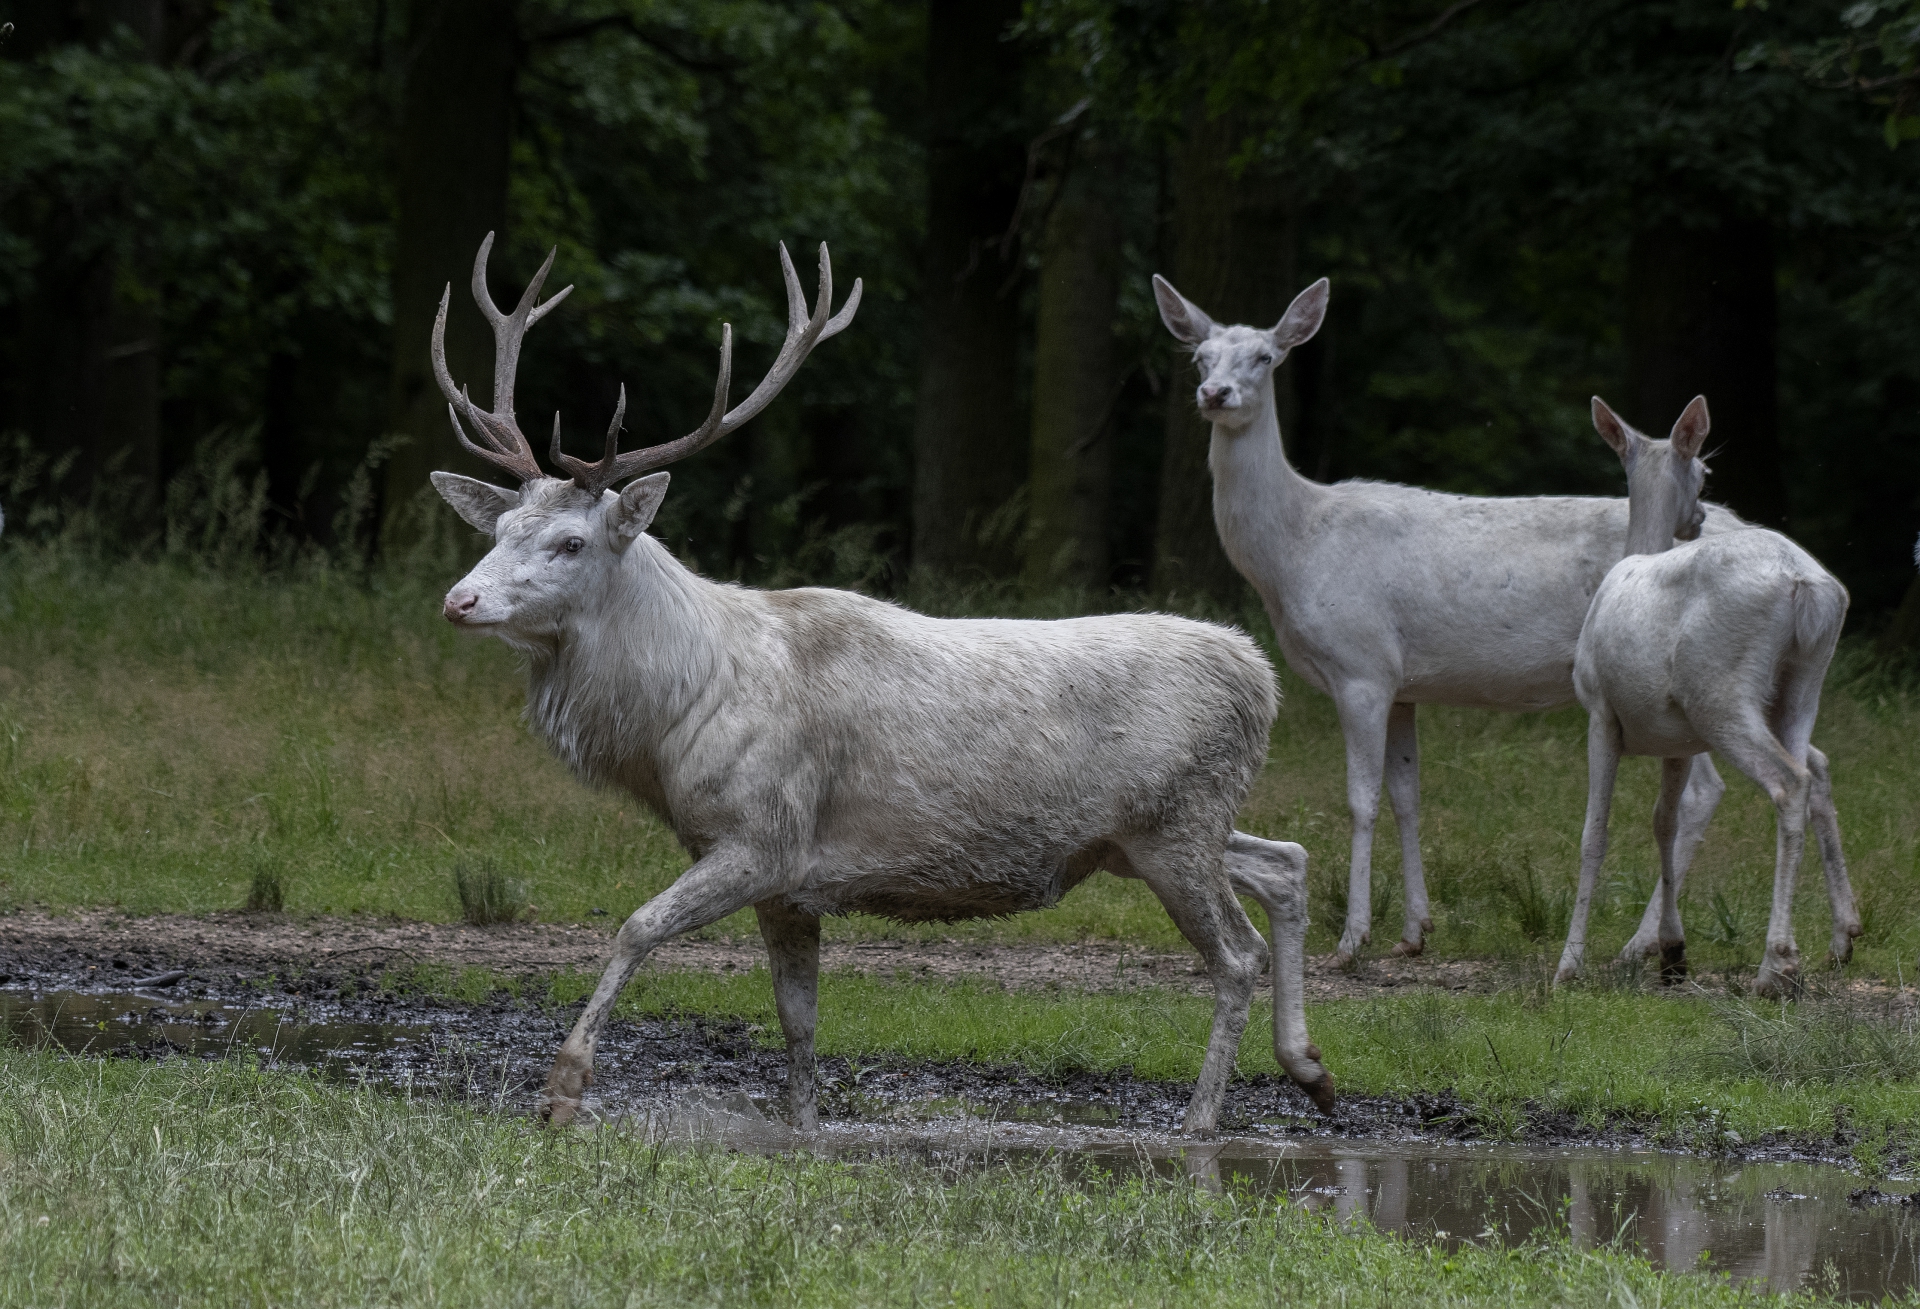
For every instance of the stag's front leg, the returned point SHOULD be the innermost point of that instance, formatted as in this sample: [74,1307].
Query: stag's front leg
[1363,721]
[714,887]
[793,953]
[1274,873]
[1403,790]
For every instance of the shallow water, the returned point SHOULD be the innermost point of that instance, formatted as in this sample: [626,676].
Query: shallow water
[1789,1225]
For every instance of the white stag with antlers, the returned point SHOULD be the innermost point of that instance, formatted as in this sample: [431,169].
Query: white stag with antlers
[819,752]
[1386,597]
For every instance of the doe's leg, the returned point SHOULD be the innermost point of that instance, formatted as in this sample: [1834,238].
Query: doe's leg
[1697,804]
[1274,873]
[1826,830]
[1363,721]
[1787,783]
[1603,763]
[714,887]
[1403,790]
[1190,882]
[793,954]
[1672,937]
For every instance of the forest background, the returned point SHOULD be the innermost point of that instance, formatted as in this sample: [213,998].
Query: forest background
[225,227]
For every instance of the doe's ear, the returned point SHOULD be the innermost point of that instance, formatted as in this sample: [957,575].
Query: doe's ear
[1690,429]
[1303,316]
[480,503]
[1186,320]
[633,509]
[1613,431]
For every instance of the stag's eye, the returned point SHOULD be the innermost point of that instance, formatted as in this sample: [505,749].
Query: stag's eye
[574,545]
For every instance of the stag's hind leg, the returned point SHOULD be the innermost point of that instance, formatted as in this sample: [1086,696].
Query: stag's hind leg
[1274,873]
[720,883]
[1188,877]
[793,954]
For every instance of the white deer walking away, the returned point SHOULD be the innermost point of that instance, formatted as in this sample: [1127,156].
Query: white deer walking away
[819,752]
[1721,643]
[1386,597]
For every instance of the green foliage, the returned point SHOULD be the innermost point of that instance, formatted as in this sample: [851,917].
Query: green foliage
[488,896]
[267,892]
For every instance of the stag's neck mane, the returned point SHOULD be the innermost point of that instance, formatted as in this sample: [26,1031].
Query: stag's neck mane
[637,672]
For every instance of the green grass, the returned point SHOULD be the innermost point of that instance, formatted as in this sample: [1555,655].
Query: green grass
[189,1183]
[169,734]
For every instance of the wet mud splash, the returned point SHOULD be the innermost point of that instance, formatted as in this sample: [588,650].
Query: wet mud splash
[1790,1225]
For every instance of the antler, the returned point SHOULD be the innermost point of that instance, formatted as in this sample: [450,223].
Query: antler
[804,331]
[504,444]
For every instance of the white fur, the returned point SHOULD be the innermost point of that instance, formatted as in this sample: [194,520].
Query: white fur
[1386,596]
[819,752]
[1720,643]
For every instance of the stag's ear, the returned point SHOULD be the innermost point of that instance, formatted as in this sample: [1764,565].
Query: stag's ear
[1186,320]
[633,509]
[1690,429]
[480,503]
[1303,316]
[1613,431]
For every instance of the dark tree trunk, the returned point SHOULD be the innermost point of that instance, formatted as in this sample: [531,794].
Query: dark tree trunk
[968,435]
[1702,320]
[1233,255]
[455,130]
[1074,382]
[88,347]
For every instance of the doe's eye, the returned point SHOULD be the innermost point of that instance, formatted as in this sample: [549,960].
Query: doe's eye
[574,545]
[1265,360]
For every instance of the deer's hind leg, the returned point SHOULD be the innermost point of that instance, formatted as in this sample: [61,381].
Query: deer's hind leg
[793,955]
[1826,830]
[1403,790]
[1189,879]
[1688,830]
[1274,873]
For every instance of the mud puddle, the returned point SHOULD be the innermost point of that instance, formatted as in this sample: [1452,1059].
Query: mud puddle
[1787,1224]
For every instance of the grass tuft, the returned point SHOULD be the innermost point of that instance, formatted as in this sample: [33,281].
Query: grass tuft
[267,892]
[488,895]
[1816,1042]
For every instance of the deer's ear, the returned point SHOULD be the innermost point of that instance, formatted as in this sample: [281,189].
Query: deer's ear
[1690,429]
[1612,430]
[480,503]
[1186,320]
[633,509]
[1303,316]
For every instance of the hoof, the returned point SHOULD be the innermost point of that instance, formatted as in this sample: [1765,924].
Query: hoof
[1426,927]
[1673,964]
[1406,949]
[1321,1093]
[1564,974]
[558,1110]
[1345,962]
[1313,1052]
[1778,983]
[1638,948]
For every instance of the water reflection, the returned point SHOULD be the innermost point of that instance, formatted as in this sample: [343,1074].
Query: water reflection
[1788,1226]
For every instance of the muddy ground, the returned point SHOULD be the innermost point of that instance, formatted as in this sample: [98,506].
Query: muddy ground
[263,943]
[327,972]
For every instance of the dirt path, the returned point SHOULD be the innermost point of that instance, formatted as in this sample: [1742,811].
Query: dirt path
[107,939]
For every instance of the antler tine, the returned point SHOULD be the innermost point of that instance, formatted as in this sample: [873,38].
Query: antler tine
[505,445]
[804,331]
[598,475]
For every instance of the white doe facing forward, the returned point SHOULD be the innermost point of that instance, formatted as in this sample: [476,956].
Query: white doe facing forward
[820,752]
[1386,597]
[1721,643]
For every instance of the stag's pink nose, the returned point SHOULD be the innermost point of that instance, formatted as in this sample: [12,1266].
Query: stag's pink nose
[459,604]
[1212,397]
